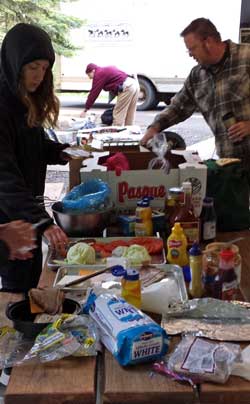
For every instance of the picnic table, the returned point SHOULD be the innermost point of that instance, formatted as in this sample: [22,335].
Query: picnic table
[102,380]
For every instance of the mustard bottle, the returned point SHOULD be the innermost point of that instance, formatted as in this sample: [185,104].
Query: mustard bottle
[195,262]
[144,223]
[177,246]
[131,287]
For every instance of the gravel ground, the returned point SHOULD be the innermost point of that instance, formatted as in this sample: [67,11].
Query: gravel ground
[57,176]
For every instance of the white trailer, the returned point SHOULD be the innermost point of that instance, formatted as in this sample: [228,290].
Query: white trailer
[143,37]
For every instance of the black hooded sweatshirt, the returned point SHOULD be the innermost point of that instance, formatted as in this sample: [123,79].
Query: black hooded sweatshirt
[24,151]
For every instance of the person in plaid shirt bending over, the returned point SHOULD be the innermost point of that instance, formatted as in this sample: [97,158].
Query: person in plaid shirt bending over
[218,87]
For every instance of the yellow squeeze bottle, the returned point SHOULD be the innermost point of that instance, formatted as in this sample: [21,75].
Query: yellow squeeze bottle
[131,287]
[195,260]
[144,223]
[177,246]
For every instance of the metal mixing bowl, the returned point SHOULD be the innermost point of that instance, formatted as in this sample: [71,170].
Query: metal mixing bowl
[81,224]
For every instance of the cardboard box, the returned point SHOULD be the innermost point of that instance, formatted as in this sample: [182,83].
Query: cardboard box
[140,181]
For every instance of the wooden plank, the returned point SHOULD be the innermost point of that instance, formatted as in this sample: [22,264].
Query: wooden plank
[235,391]
[70,380]
[135,384]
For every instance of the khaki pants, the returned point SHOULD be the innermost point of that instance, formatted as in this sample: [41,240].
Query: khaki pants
[124,110]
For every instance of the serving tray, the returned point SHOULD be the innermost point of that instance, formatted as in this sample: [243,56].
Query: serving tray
[149,274]
[55,260]
[67,273]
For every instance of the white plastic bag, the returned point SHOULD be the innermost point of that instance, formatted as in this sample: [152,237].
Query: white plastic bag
[159,147]
[157,297]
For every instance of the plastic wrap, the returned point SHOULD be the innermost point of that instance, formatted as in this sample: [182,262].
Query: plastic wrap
[219,331]
[13,347]
[90,196]
[207,360]
[159,146]
[215,310]
[69,335]
[210,318]
[242,368]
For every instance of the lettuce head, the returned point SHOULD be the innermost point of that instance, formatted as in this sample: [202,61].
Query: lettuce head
[81,253]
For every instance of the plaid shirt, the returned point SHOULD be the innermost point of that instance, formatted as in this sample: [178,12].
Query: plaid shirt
[216,90]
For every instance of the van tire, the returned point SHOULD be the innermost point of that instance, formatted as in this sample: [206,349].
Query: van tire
[148,97]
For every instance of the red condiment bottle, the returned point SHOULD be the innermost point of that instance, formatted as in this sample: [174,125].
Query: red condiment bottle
[227,275]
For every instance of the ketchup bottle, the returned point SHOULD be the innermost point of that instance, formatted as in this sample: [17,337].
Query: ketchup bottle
[186,217]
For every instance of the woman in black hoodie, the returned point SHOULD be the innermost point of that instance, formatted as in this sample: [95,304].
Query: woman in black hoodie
[27,104]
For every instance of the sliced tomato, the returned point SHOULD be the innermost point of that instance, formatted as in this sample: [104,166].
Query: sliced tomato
[105,249]
[152,244]
[109,247]
[155,247]
[98,247]
[105,254]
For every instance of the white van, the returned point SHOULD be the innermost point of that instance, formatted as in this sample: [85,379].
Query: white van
[143,37]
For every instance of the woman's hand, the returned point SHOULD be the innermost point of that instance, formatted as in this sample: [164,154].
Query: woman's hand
[239,131]
[57,239]
[20,238]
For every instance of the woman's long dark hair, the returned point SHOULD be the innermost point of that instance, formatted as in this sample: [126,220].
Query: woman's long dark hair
[43,105]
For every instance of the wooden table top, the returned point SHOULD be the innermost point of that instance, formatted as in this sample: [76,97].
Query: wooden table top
[137,384]
[69,380]
[134,384]
[72,380]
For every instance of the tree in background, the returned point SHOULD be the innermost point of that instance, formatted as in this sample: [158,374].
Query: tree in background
[46,14]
